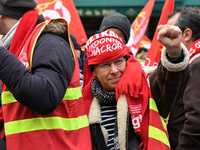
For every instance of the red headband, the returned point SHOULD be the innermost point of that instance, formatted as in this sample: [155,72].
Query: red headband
[104,47]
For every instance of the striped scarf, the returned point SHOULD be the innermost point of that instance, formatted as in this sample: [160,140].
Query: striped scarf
[108,112]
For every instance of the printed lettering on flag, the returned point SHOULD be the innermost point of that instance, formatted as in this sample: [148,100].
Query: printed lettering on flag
[139,26]
[67,10]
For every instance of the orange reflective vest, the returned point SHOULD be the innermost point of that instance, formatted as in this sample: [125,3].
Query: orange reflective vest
[152,130]
[158,137]
[66,128]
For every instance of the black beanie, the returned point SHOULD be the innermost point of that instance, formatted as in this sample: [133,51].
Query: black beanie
[116,20]
[16,8]
[75,43]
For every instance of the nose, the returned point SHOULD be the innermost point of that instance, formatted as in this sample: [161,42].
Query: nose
[113,68]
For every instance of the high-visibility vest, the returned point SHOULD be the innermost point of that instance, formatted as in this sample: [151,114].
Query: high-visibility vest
[66,128]
[158,137]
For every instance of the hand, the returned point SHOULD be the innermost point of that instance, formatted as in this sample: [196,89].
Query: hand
[170,37]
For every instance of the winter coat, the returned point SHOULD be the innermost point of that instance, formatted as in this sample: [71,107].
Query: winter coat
[123,126]
[190,134]
[176,92]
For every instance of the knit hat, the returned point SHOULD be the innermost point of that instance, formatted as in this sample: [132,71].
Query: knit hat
[116,20]
[104,47]
[75,43]
[16,8]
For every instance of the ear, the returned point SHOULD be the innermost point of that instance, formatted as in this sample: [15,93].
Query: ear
[187,34]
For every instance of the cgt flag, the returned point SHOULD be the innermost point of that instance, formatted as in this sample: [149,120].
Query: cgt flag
[67,10]
[144,42]
[154,53]
[139,26]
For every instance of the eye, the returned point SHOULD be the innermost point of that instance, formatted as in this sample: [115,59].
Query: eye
[119,62]
[105,65]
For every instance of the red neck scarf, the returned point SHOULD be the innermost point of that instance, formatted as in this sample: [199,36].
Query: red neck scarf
[134,85]
[194,48]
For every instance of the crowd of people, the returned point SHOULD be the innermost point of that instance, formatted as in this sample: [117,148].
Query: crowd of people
[52,99]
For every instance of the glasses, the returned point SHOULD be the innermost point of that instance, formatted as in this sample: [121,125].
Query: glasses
[118,63]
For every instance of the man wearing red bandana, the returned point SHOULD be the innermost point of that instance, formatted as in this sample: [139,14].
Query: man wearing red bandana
[184,124]
[119,103]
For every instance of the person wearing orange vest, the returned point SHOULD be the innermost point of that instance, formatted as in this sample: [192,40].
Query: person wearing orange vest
[121,110]
[42,104]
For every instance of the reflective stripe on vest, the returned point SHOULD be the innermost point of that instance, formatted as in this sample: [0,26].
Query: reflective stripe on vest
[33,124]
[153,106]
[71,94]
[48,123]
[157,133]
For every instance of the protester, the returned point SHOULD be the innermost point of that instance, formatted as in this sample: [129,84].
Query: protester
[184,117]
[79,52]
[117,97]
[117,23]
[41,97]
[141,55]
[77,46]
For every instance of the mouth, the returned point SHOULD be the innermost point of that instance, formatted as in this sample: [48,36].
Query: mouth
[115,79]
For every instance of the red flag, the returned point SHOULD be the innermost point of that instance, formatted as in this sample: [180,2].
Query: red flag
[67,10]
[144,42]
[154,53]
[139,26]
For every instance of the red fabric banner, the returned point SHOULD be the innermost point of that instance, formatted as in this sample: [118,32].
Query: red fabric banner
[144,42]
[139,26]
[154,53]
[67,10]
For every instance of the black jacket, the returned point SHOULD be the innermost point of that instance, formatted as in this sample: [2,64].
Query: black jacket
[172,99]
[52,68]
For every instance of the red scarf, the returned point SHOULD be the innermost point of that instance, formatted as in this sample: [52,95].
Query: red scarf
[194,48]
[134,85]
